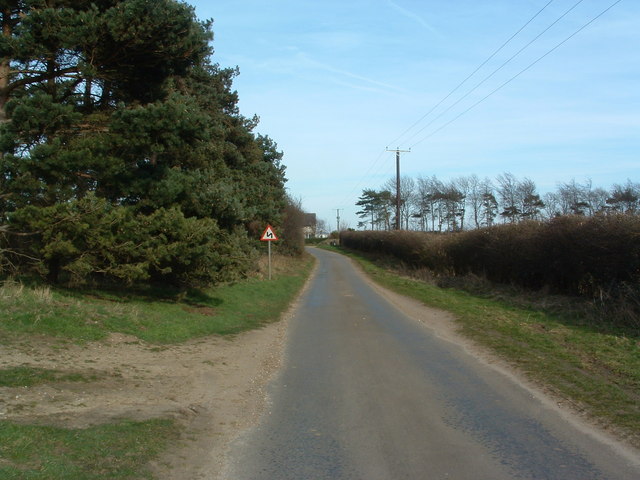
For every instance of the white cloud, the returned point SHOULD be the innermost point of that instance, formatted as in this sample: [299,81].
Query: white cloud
[413,16]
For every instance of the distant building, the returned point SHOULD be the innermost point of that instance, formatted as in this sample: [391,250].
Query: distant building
[310,223]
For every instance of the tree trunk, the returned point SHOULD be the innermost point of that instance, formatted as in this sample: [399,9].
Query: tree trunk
[5,65]
[88,102]
[53,275]
[51,77]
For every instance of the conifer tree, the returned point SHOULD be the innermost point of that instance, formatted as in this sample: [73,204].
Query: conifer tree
[123,154]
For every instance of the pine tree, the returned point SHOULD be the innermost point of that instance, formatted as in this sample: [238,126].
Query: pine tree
[124,155]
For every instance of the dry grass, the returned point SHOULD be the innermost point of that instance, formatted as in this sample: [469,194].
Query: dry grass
[280,265]
[554,340]
[12,291]
[597,259]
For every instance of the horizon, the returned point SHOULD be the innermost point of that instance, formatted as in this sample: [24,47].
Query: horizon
[337,83]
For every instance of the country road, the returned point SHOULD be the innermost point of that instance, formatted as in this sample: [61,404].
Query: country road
[368,393]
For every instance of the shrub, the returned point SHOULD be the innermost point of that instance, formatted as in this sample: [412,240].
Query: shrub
[292,235]
[90,239]
[596,257]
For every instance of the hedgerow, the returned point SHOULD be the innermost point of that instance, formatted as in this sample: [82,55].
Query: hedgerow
[595,257]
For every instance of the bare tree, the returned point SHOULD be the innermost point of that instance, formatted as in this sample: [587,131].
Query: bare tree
[407,197]
[489,206]
[452,206]
[322,228]
[552,204]
[463,185]
[509,196]
[530,201]
[429,202]
[474,199]
[625,198]
[572,198]
[597,200]
[425,202]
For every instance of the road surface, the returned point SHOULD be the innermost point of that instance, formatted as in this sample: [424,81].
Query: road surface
[367,393]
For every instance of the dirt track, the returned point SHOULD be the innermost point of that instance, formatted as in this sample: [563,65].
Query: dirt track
[213,386]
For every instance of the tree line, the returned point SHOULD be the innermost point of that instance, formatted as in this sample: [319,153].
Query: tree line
[468,202]
[123,155]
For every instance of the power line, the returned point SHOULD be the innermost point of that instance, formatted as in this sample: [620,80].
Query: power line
[470,75]
[375,162]
[448,109]
[519,73]
[365,176]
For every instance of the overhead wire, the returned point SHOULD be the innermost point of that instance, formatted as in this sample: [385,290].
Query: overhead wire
[364,177]
[437,130]
[504,64]
[518,74]
[489,58]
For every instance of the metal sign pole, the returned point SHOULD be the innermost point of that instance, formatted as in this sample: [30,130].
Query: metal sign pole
[269,243]
[269,236]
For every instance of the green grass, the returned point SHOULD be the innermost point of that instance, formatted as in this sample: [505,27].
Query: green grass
[156,316]
[596,368]
[120,451]
[25,376]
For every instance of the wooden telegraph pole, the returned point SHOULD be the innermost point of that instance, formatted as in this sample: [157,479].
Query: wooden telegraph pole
[398,151]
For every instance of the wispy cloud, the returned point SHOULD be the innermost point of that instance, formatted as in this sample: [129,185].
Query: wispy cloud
[335,40]
[296,63]
[365,81]
[413,16]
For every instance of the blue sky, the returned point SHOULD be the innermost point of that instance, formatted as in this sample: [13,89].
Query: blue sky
[335,82]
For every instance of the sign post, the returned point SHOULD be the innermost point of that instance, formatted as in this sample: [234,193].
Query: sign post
[269,236]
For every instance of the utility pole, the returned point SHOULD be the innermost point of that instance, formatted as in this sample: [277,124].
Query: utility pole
[338,218]
[398,151]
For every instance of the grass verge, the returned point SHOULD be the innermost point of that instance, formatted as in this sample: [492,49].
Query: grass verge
[26,376]
[155,316]
[594,368]
[122,450]
[119,451]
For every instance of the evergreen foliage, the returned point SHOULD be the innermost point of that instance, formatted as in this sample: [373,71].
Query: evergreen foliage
[124,157]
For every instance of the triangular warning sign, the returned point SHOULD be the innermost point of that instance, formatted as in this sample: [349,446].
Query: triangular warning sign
[268,235]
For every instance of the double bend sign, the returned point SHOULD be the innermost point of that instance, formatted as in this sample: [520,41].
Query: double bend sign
[269,235]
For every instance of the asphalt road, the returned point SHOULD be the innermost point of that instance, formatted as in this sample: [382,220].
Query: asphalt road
[367,393]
